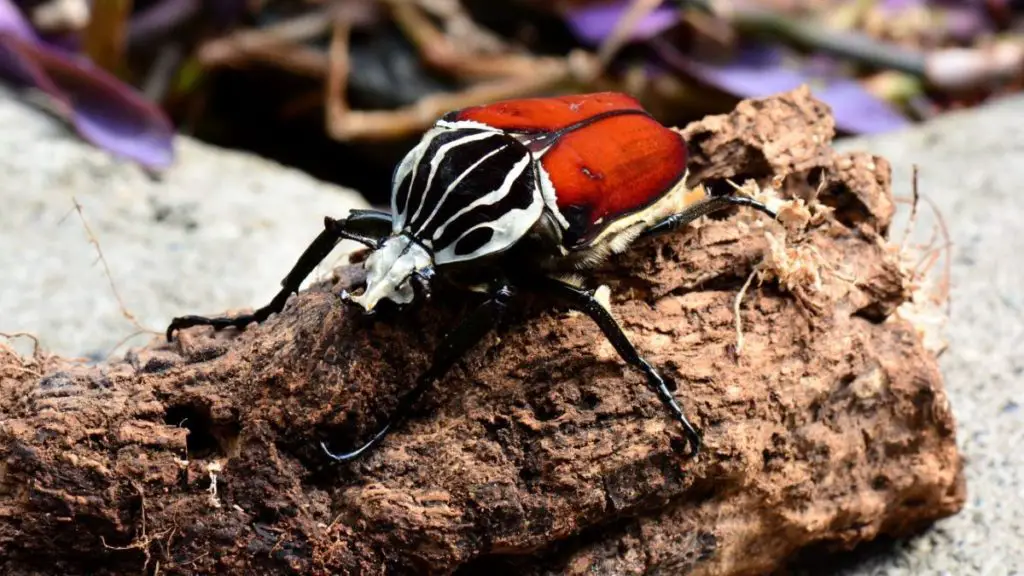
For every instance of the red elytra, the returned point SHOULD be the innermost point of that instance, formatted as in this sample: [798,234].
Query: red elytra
[607,157]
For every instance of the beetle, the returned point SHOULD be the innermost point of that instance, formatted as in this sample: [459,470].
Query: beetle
[518,195]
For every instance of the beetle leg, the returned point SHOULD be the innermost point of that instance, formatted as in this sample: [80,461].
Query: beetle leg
[584,301]
[454,346]
[701,208]
[363,226]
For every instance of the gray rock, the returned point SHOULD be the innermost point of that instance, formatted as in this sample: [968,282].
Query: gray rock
[971,165]
[219,231]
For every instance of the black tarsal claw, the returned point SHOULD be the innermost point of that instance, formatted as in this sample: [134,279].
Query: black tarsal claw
[339,457]
[693,439]
[218,324]
[183,322]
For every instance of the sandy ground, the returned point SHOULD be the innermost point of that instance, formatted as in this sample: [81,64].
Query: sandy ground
[220,230]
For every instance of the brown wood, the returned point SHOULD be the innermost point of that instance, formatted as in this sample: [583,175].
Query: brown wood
[540,451]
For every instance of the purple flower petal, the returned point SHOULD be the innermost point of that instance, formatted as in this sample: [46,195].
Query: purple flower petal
[102,109]
[758,71]
[592,24]
[12,21]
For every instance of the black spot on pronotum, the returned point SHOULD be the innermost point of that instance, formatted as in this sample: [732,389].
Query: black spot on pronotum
[474,241]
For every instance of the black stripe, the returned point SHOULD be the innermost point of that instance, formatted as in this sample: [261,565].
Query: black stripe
[418,175]
[487,177]
[478,168]
[499,153]
[520,196]
[455,161]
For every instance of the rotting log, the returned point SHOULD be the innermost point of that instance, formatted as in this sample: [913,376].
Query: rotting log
[540,452]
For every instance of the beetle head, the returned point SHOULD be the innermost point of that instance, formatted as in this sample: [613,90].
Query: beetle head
[393,269]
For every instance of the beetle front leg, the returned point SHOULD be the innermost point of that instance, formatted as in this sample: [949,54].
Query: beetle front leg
[584,301]
[364,226]
[453,347]
[701,208]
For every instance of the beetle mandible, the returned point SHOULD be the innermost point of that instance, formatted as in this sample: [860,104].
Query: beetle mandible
[514,195]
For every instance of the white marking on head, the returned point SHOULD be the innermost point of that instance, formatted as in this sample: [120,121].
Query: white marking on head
[389,269]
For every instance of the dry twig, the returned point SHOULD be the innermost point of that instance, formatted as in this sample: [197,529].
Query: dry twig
[140,329]
[343,123]
[106,269]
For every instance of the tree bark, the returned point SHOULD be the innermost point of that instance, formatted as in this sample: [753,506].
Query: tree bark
[540,452]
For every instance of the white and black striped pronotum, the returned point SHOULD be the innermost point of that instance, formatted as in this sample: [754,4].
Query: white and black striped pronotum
[516,195]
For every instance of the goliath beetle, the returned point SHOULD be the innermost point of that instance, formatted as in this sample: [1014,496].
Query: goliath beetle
[515,195]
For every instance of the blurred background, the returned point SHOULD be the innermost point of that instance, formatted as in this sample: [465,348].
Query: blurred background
[342,88]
